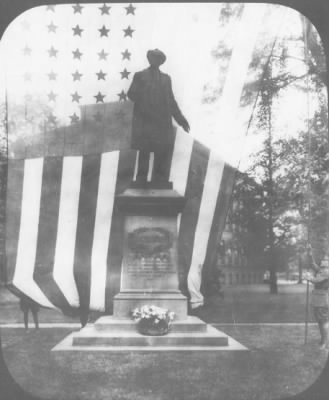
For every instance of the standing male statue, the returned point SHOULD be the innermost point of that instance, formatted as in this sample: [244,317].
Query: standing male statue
[154,108]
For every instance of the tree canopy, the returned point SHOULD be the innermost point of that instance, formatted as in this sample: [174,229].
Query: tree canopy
[290,164]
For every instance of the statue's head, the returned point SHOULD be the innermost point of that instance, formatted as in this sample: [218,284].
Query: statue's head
[156,57]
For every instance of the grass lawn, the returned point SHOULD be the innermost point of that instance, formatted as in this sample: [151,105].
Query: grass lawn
[278,364]
[254,303]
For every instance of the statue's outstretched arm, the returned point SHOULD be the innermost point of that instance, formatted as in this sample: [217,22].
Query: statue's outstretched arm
[176,112]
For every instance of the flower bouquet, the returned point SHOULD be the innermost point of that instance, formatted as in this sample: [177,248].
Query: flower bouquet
[153,320]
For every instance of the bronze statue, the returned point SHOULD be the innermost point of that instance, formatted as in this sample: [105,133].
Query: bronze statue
[154,108]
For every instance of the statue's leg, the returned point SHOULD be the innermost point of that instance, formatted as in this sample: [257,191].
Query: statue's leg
[143,165]
[160,166]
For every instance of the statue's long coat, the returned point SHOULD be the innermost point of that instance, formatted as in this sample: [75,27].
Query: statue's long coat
[154,108]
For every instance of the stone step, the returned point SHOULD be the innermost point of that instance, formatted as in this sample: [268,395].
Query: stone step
[125,302]
[89,336]
[190,324]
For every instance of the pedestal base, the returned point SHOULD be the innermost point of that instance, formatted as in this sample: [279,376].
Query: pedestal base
[111,334]
[125,302]
[143,184]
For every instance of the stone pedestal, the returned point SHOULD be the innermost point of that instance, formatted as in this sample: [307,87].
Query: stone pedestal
[149,267]
[149,277]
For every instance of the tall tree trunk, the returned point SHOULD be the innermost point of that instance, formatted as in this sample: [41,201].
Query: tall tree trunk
[300,269]
[271,236]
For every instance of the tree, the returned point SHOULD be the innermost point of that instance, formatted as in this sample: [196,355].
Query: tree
[274,79]
[304,181]
[246,213]
[294,199]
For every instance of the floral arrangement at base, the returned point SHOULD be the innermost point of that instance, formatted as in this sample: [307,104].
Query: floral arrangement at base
[153,320]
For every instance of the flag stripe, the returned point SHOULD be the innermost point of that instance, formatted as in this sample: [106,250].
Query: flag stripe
[114,259]
[125,175]
[218,222]
[180,161]
[206,215]
[67,226]
[136,165]
[70,208]
[150,167]
[13,207]
[28,233]
[104,210]
[189,218]
[85,227]
[48,221]
[171,153]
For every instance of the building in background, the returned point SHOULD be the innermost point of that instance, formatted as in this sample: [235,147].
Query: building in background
[241,249]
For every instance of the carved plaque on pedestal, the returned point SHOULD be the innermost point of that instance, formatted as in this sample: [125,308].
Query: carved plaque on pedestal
[149,261]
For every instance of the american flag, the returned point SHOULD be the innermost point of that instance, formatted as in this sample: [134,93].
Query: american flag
[66,67]
[69,127]
[64,233]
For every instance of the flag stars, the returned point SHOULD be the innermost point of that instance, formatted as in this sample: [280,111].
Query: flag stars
[101,75]
[128,32]
[130,9]
[77,54]
[126,55]
[77,76]
[77,30]
[77,8]
[52,52]
[124,74]
[52,76]
[52,96]
[122,96]
[105,9]
[104,31]
[74,118]
[52,27]
[99,97]
[102,55]
[76,97]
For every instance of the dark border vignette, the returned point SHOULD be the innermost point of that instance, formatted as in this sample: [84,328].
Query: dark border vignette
[317,11]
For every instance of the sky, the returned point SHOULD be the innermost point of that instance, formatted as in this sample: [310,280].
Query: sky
[187,33]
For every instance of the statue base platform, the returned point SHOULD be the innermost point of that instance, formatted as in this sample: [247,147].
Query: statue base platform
[111,334]
[125,302]
[143,184]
